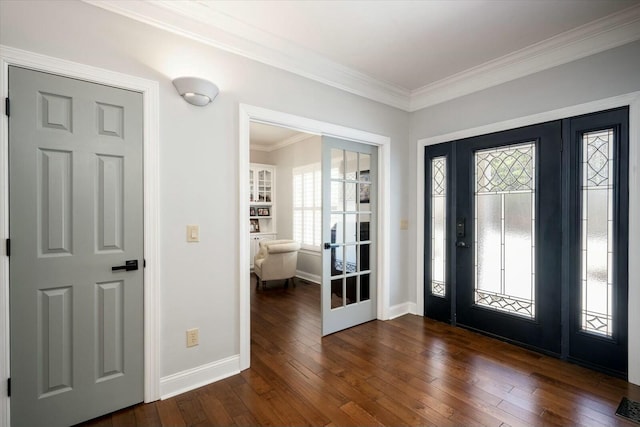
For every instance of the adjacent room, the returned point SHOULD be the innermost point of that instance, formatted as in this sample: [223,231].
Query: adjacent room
[320,212]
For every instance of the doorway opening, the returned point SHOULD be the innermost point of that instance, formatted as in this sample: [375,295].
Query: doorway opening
[285,205]
[249,114]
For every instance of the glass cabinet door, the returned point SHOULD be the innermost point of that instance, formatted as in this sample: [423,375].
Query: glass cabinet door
[252,194]
[264,186]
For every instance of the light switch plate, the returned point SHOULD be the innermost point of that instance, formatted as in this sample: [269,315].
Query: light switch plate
[193,233]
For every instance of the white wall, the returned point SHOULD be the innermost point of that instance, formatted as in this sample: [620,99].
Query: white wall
[262,157]
[199,156]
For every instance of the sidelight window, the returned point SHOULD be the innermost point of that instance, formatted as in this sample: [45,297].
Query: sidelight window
[597,246]
[438,225]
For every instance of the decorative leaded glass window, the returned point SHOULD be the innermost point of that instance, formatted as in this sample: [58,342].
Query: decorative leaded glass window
[597,189]
[438,225]
[504,242]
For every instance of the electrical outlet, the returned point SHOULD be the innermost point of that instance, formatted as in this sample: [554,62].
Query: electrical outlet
[192,337]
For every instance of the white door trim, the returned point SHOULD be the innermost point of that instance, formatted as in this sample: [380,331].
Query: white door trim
[250,113]
[150,91]
[633,101]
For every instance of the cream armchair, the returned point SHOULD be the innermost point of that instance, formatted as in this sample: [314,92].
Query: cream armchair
[276,260]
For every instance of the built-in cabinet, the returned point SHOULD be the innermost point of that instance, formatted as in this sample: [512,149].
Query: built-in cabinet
[262,212]
[261,183]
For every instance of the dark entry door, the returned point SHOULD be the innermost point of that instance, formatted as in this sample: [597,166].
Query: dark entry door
[507,234]
[526,236]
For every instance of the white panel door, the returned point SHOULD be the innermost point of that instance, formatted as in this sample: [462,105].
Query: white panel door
[349,186]
[76,206]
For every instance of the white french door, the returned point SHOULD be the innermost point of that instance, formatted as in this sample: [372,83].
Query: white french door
[349,182]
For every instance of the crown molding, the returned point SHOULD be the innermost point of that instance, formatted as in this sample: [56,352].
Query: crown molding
[197,21]
[597,36]
[284,143]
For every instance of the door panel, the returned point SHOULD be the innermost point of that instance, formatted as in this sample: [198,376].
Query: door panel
[349,174]
[109,203]
[54,172]
[508,263]
[75,168]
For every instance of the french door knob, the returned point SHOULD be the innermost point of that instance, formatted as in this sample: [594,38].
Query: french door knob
[331,245]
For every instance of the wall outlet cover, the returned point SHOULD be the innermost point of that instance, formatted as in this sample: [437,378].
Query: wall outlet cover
[192,337]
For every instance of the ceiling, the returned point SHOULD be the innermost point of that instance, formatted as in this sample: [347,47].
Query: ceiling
[412,44]
[408,54]
[265,137]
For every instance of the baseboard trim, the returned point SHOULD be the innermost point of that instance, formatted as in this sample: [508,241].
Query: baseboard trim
[314,278]
[199,376]
[402,309]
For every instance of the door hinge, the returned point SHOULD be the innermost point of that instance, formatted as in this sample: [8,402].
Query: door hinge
[144,263]
[8,248]
[7,107]
[9,387]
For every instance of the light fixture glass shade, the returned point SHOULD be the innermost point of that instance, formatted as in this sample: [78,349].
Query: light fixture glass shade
[196,91]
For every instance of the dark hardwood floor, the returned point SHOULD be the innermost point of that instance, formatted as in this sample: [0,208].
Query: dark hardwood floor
[407,371]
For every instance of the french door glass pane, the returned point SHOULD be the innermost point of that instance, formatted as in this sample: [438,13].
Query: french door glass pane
[350,196]
[364,287]
[504,226]
[336,293]
[337,164]
[350,217]
[351,165]
[597,232]
[438,225]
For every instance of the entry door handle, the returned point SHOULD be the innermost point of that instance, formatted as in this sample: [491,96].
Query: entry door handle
[462,244]
[129,265]
[331,245]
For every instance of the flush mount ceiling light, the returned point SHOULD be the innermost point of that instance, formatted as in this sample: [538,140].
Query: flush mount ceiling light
[195,90]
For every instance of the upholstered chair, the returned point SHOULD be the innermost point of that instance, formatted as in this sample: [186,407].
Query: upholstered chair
[276,260]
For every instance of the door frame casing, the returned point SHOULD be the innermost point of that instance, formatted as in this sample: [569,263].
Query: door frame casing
[249,113]
[150,93]
[633,101]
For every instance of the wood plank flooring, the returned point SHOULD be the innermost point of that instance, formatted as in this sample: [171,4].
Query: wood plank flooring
[407,371]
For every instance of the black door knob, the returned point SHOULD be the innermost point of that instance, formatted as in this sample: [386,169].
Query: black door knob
[129,265]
